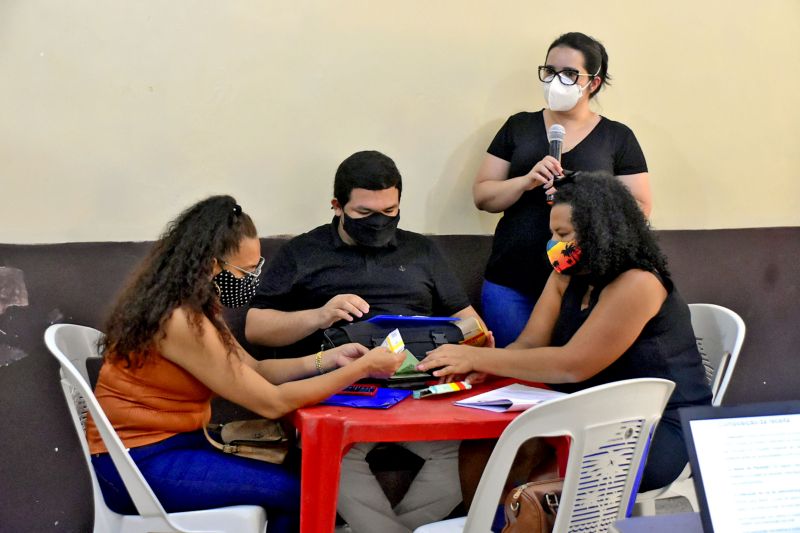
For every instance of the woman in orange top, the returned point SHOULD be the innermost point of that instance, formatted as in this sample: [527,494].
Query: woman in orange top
[168,351]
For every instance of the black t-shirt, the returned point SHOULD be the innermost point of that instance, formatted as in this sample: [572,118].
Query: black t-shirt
[666,347]
[518,258]
[410,276]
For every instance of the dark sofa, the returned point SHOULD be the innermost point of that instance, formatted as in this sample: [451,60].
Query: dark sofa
[44,482]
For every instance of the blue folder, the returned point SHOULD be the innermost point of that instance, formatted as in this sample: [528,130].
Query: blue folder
[383,399]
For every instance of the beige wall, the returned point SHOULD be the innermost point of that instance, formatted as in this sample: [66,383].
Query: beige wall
[116,115]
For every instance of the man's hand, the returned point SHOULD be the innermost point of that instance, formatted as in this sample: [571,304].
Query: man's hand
[490,343]
[473,378]
[341,307]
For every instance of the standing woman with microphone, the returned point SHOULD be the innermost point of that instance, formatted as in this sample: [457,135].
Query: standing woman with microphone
[518,170]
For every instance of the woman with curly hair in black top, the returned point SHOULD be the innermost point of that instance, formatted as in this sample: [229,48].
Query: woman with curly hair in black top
[518,171]
[167,351]
[609,312]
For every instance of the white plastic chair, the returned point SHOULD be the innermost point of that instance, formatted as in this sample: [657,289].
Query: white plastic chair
[72,345]
[609,425]
[720,334]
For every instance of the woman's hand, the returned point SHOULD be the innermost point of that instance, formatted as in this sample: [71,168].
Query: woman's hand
[345,354]
[544,172]
[473,378]
[382,363]
[450,359]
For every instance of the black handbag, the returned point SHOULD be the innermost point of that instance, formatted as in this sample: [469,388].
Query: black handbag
[418,338]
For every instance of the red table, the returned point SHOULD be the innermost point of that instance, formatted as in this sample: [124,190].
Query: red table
[327,433]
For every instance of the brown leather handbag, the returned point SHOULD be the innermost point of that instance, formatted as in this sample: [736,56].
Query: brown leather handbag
[532,507]
[260,439]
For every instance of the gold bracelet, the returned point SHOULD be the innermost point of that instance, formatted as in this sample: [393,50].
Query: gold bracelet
[318,362]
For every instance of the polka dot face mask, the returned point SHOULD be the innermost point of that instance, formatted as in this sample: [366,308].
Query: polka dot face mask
[236,292]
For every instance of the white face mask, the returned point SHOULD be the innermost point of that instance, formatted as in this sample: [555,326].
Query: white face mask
[560,97]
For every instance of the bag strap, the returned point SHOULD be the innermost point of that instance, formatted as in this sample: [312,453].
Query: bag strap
[224,448]
[551,498]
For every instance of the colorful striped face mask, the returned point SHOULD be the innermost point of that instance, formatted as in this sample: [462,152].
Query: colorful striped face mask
[563,255]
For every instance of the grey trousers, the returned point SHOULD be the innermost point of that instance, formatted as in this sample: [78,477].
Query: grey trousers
[433,494]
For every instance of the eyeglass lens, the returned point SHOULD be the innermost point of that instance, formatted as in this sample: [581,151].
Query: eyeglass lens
[256,272]
[567,76]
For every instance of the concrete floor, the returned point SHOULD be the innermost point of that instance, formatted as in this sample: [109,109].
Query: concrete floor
[664,506]
[673,505]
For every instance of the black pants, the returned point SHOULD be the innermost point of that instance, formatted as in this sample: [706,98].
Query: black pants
[667,457]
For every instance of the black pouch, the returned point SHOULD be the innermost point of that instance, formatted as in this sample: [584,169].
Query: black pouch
[419,339]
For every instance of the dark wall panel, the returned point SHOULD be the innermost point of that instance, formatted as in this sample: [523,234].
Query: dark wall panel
[44,482]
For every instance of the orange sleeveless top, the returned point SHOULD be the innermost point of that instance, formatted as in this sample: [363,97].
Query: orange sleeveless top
[149,404]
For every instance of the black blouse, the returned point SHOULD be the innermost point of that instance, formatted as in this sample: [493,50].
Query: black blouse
[518,258]
[666,348]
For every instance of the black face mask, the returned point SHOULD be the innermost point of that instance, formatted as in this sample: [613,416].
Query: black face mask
[235,292]
[373,231]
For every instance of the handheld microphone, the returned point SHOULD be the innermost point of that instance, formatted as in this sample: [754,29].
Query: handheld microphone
[555,137]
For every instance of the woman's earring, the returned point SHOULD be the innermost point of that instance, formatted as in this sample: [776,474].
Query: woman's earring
[216,287]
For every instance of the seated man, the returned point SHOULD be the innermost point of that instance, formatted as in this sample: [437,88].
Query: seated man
[358,266]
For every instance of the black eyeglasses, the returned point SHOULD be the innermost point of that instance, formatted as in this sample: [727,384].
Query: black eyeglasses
[567,76]
[255,273]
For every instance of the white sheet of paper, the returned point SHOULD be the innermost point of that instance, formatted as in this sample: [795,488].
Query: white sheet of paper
[750,468]
[516,397]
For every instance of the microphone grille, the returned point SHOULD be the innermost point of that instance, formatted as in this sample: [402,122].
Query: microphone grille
[556,133]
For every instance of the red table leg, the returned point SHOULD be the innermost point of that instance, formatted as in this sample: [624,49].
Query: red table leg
[561,446]
[323,446]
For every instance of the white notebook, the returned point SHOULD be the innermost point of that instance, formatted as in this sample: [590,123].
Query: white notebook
[514,397]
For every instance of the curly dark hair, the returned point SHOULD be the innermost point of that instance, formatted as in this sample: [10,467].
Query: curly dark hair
[610,228]
[177,272]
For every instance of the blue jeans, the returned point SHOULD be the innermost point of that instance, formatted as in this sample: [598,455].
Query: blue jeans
[505,311]
[187,474]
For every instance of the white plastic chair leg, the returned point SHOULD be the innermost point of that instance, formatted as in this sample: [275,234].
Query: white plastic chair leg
[645,508]
[686,489]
